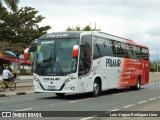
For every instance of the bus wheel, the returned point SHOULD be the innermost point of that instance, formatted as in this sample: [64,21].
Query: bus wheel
[60,94]
[96,88]
[138,85]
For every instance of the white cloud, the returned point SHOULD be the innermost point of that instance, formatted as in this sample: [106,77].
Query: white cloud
[133,19]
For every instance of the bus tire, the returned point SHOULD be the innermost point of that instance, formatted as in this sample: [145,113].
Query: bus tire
[60,94]
[96,88]
[138,84]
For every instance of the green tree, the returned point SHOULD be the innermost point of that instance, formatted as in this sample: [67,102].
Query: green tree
[20,28]
[12,4]
[77,28]
[69,29]
[86,28]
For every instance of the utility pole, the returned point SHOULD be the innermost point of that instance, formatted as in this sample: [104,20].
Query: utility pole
[157,61]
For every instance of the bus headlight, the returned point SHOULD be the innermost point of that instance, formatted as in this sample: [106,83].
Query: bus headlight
[69,79]
[36,79]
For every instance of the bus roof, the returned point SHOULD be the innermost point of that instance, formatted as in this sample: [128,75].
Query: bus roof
[121,39]
[67,34]
[74,34]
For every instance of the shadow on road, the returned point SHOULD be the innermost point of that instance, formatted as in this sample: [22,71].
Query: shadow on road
[87,95]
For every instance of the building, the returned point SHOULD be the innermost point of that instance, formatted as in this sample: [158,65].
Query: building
[19,66]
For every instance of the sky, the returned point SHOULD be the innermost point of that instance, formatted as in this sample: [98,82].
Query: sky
[138,20]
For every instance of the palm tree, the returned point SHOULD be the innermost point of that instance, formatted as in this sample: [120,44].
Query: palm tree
[12,4]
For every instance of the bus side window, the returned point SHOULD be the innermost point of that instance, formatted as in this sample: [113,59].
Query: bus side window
[114,49]
[102,49]
[85,54]
[126,51]
[84,60]
[144,54]
[130,51]
[120,50]
[97,52]
[138,53]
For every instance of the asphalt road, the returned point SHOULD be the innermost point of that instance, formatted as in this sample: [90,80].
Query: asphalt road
[86,107]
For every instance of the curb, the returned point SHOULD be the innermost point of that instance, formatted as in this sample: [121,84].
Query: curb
[18,93]
[154,81]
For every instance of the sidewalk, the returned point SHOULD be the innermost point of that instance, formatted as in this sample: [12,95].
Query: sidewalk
[22,77]
[24,86]
[154,76]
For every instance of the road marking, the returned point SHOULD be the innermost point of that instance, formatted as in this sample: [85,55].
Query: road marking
[87,118]
[142,102]
[152,99]
[118,94]
[80,100]
[128,106]
[24,109]
[115,110]
[30,98]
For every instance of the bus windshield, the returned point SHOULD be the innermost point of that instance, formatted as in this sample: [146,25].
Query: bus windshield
[54,57]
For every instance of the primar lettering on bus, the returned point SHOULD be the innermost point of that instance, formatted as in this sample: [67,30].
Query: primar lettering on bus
[113,62]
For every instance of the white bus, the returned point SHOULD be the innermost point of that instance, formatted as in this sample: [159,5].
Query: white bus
[81,62]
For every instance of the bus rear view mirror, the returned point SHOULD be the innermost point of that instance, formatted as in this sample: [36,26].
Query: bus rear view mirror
[28,50]
[26,54]
[75,51]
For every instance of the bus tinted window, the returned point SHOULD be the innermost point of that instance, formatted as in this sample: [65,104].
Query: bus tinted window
[85,55]
[102,47]
[109,47]
[141,53]
[118,49]
[97,52]
[144,54]
[114,49]
[137,52]
[87,39]
[121,50]
[131,52]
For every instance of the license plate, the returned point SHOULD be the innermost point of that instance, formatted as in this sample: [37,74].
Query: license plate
[51,87]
